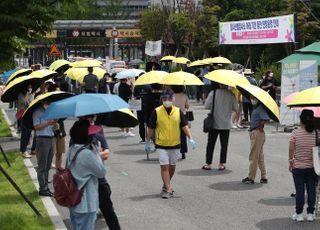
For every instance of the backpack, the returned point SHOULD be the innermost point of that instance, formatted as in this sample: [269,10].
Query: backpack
[66,192]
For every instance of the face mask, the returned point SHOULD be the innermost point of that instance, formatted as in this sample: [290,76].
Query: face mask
[271,75]
[29,90]
[254,101]
[167,104]
[45,106]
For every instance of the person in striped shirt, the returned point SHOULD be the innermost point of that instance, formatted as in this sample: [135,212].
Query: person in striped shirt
[301,164]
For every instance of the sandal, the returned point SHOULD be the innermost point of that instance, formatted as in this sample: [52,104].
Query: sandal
[222,167]
[206,167]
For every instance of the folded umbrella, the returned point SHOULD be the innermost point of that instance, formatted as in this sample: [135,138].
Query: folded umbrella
[18,73]
[121,118]
[59,64]
[129,73]
[181,78]
[226,77]
[50,97]
[86,63]
[262,96]
[152,77]
[83,105]
[18,85]
[78,74]
[307,97]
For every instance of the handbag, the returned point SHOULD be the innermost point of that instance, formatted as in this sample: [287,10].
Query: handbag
[20,113]
[208,122]
[190,116]
[66,192]
[316,157]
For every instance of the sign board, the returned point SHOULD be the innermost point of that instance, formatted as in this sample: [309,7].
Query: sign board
[54,51]
[258,31]
[123,33]
[85,33]
[51,34]
[153,48]
[296,76]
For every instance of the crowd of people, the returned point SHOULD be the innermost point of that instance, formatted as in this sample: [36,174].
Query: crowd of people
[165,121]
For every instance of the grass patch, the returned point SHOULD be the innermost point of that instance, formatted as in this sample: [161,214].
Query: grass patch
[4,127]
[15,213]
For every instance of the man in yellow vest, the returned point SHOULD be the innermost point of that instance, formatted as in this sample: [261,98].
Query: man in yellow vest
[167,121]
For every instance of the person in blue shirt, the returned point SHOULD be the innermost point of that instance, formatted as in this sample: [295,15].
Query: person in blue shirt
[257,135]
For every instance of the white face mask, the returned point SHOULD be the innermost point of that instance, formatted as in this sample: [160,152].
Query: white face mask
[45,106]
[271,75]
[167,104]
[254,101]
[29,90]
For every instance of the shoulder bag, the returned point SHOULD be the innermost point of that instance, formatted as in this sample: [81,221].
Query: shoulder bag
[316,157]
[208,123]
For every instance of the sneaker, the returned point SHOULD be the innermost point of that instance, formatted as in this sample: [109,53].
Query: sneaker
[130,134]
[264,181]
[239,126]
[163,191]
[234,126]
[247,180]
[142,142]
[26,155]
[298,217]
[53,166]
[33,152]
[46,193]
[310,217]
[167,195]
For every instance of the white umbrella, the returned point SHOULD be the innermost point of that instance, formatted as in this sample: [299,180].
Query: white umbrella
[129,73]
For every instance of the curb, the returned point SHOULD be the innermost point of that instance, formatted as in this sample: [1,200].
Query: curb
[47,202]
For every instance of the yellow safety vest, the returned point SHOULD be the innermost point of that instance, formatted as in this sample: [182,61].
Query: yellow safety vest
[168,127]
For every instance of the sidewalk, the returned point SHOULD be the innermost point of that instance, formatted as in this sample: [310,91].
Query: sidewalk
[13,144]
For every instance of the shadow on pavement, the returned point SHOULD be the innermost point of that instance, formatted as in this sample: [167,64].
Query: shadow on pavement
[150,161]
[278,201]
[286,223]
[201,172]
[234,186]
[130,152]
[145,197]
[134,144]
[116,137]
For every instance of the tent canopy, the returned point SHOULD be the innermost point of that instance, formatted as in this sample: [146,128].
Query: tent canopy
[313,48]
[301,57]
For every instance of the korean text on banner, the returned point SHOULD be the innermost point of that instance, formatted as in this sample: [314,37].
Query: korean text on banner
[153,48]
[258,31]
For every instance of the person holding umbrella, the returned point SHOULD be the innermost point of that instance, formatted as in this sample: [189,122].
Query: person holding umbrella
[44,146]
[259,117]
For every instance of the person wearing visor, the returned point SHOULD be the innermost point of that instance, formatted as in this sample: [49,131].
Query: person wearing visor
[167,121]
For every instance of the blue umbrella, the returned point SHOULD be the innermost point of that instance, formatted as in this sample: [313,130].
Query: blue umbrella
[7,74]
[84,104]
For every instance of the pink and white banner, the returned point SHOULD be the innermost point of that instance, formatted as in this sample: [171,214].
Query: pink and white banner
[258,31]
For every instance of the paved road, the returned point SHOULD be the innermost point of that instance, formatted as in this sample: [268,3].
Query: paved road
[204,199]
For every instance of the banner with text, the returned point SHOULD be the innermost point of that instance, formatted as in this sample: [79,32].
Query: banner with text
[153,48]
[258,31]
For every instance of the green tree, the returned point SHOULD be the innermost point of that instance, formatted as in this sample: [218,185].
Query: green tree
[22,21]
[153,24]
[181,28]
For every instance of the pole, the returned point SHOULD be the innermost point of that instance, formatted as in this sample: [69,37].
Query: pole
[295,18]
[36,211]
[5,156]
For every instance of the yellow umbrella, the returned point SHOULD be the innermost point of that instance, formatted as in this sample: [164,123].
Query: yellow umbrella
[18,85]
[167,58]
[262,96]
[86,63]
[122,118]
[181,78]
[152,77]
[18,73]
[58,63]
[44,74]
[50,96]
[181,60]
[79,73]
[307,97]
[227,77]
[218,60]
[198,63]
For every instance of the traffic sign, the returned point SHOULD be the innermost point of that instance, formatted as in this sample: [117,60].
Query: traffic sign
[54,51]
[114,33]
